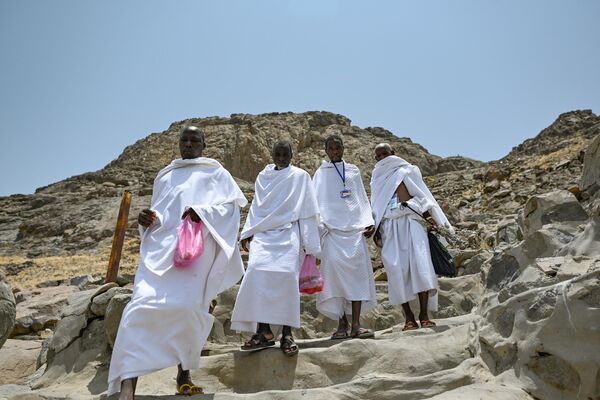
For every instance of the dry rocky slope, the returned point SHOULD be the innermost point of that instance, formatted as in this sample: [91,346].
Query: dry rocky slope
[521,321]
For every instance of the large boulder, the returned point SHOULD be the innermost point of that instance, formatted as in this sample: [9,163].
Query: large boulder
[590,176]
[556,207]
[41,308]
[8,310]
[18,360]
[458,296]
[100,302]
[587,243]
[87,351]
[113,313]
[545,338]
[508,231]
[72,323]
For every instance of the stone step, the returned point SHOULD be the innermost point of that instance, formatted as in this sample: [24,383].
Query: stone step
[212,349]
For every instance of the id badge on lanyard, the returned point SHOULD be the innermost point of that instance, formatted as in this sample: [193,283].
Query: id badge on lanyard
[344,193]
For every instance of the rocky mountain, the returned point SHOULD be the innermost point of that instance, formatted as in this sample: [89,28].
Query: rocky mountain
[78,214]
[520,322]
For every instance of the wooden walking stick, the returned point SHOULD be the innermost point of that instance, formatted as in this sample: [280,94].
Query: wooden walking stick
[118,238]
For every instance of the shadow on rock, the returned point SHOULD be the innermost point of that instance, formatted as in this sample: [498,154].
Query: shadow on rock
[271,371]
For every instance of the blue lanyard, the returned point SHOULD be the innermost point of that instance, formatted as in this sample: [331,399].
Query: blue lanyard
[343,177]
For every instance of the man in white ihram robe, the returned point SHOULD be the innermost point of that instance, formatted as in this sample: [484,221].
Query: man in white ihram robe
[405,252]
[167,322]
[281,227]
[345,215]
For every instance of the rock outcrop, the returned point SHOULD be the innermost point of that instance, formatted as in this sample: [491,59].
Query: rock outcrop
[8,310]
[545,335]
[79,213]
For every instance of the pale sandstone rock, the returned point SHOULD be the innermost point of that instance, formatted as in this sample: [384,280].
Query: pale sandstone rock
[13,391]
[587,243]
[113,313]
[590,177]
[41,308]
[474,264]
[559,206]
[508,231]
[547,336]
[78,303]
[100,301]
[458,296]
[18,360]
[338,369]
[7,310]
[67,330]
[484,391]
[83,359]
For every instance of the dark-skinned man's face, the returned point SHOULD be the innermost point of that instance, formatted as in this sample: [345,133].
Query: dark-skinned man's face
[191,144]
[382,152]
[335,151]
[281,156]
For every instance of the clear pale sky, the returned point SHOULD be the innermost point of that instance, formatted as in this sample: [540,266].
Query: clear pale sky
[80,80]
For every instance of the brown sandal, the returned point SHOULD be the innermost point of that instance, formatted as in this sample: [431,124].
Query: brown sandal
[427,323]
[362,333]
[410,325]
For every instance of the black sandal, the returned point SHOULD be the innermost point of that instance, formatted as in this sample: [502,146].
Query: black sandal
[288,346]
[258,341]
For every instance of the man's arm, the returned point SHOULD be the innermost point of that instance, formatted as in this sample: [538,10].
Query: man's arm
[404,195]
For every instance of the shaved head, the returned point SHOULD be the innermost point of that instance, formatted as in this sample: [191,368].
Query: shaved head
[191,142]
[385,146]
[383,150]
[192,129]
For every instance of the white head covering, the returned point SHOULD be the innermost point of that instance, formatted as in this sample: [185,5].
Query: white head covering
[388,174]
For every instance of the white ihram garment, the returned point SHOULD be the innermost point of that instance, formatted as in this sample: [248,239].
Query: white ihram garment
[345,260]
[167,321]
[282,222]
[405,253]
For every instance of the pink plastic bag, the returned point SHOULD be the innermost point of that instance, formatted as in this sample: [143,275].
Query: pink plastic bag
[190,244]
[311,280]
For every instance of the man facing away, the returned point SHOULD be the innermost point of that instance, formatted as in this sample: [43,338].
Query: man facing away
[396,187]
[281,227]
[345,213]
[167,322]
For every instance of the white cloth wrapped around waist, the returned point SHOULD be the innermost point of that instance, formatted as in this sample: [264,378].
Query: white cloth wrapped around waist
[269,291]
[403,211]
[347,274]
